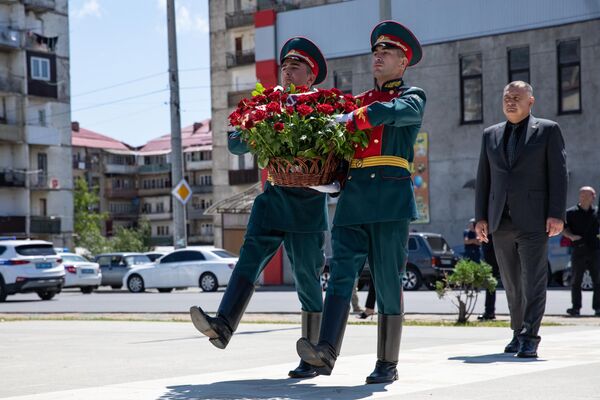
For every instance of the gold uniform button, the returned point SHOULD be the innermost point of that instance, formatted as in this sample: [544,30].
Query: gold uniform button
[372,176]
[391,92]
[376,141]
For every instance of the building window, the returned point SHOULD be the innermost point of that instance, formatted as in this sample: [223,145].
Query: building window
[518,64]
[471,89]
[40,69]
[569,77]
[343,81]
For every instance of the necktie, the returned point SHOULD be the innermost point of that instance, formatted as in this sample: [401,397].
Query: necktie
[511,146]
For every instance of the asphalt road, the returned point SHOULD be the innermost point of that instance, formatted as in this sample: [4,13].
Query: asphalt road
[265,300]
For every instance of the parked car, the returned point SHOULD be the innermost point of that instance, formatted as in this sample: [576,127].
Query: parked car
[81,273]
[155,255]
[114,266]
[30,266]
[206,267]
[429,258]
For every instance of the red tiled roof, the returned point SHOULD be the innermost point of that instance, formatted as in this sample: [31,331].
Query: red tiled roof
[87,138]
[202,137]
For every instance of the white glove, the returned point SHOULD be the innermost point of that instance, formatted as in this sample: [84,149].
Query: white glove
[333,187]
[343,118]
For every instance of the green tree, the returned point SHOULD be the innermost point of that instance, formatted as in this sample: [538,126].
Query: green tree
[464,285]
[88,221]
[132,239]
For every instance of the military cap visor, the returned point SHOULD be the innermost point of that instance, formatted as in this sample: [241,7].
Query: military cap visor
[302,49]
[395,35]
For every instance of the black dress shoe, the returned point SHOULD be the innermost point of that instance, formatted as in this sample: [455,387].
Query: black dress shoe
[528,347]
[574,312]
[486,317]
[303,371]
[513,346]
[384,372]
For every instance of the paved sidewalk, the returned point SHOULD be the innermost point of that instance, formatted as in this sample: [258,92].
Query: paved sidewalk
[47,360]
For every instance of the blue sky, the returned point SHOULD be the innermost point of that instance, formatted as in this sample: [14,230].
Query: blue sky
[118,41]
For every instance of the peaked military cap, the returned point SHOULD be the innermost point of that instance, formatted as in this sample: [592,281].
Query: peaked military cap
[302,49]
[395,35]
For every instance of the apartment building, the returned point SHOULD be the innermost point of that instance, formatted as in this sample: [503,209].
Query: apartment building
[36,198]
[135,183]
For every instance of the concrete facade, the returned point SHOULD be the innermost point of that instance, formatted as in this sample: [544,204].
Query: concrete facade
[36,191]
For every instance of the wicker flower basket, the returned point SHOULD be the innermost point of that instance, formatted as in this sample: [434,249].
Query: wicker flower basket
[303,172]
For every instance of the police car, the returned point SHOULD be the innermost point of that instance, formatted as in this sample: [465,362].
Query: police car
[30,266]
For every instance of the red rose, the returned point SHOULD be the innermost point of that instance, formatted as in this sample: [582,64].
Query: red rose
[325,109]
[258,115]
[338,106]
[248,124]
[289,109]
[268,91]
[304,110]
[349,107]
[234,118]
[350,127]
[337,91]
[301,89]
[274,107]
[284,97]
[261,98]
[274,96]
[242,103]
[349,97]
[278,126]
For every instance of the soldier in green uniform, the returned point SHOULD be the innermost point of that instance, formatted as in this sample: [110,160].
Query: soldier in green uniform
[376,205]
[296,217]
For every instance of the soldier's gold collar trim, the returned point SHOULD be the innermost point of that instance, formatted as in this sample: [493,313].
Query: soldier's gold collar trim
[376,161]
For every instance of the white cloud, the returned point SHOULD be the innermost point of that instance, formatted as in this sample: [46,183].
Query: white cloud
[89,8]
[186,20]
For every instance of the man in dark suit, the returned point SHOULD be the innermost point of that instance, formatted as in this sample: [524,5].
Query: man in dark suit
[521,198]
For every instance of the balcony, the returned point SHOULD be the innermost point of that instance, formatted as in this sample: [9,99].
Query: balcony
[243,176]
[278,5]
[154,192]
[13,225]
[125,169]
[12,179]
[39,5]
[155,169]
[161,241]
[158,216]
[121,193]
[200,239]
[197,213]
[239,18]
[10,39]
[233,98]
[238,58]
[48,225]
[127,213]
[202,189]
[42,135]
[10,85]
[10,132]
[198,165]
[40,181]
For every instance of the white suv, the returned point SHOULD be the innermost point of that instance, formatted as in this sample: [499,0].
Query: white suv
[30,266]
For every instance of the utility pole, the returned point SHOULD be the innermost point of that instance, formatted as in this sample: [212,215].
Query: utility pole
[179,220]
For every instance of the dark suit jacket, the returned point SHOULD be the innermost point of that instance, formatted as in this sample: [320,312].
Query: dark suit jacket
[535,188]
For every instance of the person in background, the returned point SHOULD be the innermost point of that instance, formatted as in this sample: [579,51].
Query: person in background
[472,244]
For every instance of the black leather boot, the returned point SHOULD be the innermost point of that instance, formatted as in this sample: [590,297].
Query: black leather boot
[389,333]
[323,355]
[311,324]
[233,304]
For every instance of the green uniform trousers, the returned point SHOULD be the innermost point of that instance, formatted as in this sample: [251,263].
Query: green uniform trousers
[305,251]
[385,244]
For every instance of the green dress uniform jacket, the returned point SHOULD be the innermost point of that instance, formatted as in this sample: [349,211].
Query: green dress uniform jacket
[383,192]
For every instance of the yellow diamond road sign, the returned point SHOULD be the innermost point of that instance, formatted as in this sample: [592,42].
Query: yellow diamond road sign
[182,191]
